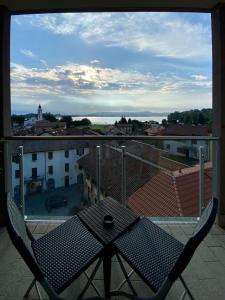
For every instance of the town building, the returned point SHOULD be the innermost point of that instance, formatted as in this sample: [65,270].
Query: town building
[47,165]
[189,149]
[38,124]
[28,123]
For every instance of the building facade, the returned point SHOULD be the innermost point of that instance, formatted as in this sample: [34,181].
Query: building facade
[47,169]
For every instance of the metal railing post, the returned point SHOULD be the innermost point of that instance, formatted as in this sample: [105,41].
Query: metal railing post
[98,170]
[124,177]
[201,181]
[21,165]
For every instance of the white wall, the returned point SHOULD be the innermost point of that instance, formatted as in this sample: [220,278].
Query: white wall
[193,148]
[58,162]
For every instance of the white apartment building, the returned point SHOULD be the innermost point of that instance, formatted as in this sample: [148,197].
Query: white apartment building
[48,166]
[187,148]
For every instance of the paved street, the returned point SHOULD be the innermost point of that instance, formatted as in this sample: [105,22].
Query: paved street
[35,205]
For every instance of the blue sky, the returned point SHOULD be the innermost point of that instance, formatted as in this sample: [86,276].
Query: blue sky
[87,62]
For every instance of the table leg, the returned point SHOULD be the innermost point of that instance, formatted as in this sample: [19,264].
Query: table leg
[107,274]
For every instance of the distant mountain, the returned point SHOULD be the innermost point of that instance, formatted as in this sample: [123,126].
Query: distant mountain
[124,113]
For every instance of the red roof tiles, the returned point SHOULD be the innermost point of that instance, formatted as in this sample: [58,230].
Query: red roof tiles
[151,191]
[171,196]
[186,130]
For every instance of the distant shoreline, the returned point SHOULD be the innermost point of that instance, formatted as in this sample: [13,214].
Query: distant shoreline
[110,120]
[126,115]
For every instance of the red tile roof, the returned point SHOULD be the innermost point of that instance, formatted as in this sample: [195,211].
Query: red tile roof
[154,131]
[186,130]
[176,195]
[151,191]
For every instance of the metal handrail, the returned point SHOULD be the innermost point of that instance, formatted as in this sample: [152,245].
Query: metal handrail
[111,137]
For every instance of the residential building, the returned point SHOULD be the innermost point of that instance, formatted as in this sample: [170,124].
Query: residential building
[189,149]
[143,162]
[47,165]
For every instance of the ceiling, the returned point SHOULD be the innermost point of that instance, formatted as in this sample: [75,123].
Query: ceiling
[32,6]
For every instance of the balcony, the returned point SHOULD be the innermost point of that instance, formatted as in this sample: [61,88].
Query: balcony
[205,274]
[141,174]
[145,176]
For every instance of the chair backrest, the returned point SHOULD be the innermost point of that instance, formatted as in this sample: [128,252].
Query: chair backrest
[201,230]
[18,233]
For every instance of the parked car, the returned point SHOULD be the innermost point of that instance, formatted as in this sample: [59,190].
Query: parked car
[55,201]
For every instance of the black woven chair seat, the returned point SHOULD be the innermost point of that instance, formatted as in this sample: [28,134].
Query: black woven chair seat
[65,252]
[151,251]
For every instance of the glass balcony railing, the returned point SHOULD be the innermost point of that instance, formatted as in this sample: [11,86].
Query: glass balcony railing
[156,178]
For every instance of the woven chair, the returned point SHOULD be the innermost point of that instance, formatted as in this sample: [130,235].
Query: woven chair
[157,257]
[57,258]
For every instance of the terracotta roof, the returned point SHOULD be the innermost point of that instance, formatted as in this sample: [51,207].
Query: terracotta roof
[151,153]
[186,130]
[176,195]
[137,171]
[43,146]
[47,124]
[74,131]
[154,131]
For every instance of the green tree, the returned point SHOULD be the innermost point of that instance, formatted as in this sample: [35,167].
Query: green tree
[19,119]
[164,122]
[194,116]
[50,117]
[85,122]
[187,119]
[201,119]
[66,119]
[123,120]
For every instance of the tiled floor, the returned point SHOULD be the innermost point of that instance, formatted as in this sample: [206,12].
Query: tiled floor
[205,275]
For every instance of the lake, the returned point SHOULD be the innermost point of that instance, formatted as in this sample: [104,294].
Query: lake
[112,120]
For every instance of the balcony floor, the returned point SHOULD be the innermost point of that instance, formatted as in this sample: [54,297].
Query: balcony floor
[205,275]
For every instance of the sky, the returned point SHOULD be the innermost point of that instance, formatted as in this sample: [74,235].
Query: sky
[73,63]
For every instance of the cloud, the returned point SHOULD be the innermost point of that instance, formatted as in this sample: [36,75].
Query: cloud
[89,87]
[31,55]
[94,61]
[76,78]
[199,77]
[168,35]
[28,53]
[44,62]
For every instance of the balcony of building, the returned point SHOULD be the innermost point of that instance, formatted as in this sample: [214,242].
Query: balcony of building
[205,274]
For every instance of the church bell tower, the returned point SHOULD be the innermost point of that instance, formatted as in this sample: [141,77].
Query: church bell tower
[39,113]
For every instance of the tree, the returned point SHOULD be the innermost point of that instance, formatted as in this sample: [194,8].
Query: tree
[194,116]
[19,119]
[50,117]
[164,122]
[85,122]
[187,119]
[123,120]
[201,118]
[66,119]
